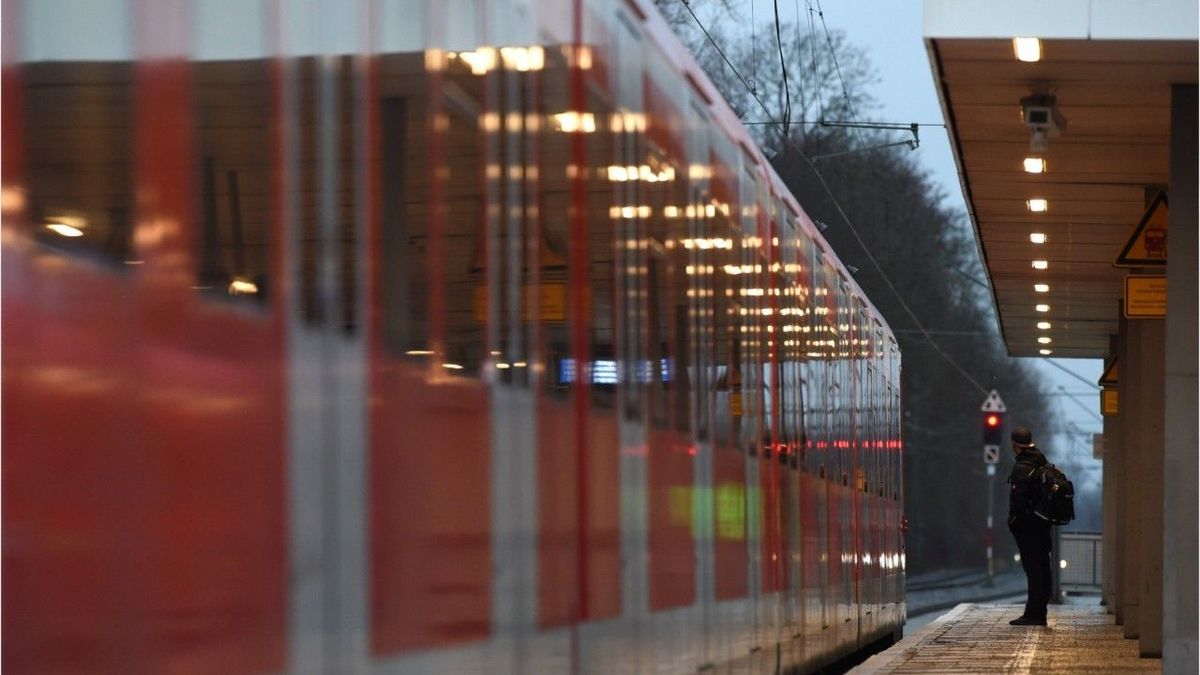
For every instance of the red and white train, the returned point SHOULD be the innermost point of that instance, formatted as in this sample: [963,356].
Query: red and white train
[421,336]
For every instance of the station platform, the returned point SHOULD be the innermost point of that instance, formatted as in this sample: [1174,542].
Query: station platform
[976,638]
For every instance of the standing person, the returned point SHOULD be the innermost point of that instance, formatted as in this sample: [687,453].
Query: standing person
[1031,532]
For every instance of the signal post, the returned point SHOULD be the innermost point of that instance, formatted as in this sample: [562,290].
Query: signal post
[993,409]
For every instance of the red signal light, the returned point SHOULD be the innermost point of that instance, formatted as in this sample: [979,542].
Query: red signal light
[992,421]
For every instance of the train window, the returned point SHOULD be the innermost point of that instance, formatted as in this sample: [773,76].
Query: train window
[601,256]
[658,369]
[432,234]
[233,146]
[553,223]
[79,157]
[463,232]
[558,311]
[404,319]
[726,324]
[311,307]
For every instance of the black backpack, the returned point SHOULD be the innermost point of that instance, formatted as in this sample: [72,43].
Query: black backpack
[1056,496]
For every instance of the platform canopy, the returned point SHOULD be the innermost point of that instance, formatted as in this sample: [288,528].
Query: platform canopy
[1109,67]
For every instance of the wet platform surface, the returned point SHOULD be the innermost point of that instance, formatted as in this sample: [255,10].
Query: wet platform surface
[976,638]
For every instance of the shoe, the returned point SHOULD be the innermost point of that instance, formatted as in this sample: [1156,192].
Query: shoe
[1027,621]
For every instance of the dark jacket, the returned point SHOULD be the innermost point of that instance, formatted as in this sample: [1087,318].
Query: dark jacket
[1023,484]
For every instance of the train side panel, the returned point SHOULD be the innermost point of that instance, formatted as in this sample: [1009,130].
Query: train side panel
[410,336]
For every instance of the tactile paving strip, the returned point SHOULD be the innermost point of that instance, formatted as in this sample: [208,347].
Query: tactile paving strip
[976,638]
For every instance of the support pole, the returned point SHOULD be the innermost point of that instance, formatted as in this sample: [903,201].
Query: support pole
[991,561]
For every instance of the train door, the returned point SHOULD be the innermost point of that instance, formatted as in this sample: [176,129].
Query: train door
[324,175]
[728,460]
[700,246]
[633,303]
[789,350]
[824,401]
[837,388]
[847,501]
[809,580]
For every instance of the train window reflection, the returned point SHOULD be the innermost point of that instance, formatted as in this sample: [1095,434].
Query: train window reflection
[77,119]
[233,145]
[432,234]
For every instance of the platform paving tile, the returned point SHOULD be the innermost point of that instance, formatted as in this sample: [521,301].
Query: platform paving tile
[976,638]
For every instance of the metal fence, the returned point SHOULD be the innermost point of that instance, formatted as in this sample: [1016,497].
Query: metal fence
[1080,561]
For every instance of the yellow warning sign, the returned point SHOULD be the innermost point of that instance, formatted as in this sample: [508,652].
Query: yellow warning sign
[1109,402]
[1111,376]
[1148,245]
[1145,297]
[735,404]
[551,302]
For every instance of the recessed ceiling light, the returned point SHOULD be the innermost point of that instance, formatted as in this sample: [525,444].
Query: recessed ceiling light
[1035,165]
[1027,49]
[1044,340]
[1045,352]
[1037,205]
[1040,264]
[1037,237]
[1042,288]
[1042,308]
[1044,325]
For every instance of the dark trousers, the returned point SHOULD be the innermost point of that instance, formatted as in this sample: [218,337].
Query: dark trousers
[1033,542]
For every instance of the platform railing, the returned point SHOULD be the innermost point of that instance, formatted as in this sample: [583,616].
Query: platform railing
[1078,562]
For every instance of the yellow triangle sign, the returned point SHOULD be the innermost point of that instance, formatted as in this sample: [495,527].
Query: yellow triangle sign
[1148,245]
[1111,376]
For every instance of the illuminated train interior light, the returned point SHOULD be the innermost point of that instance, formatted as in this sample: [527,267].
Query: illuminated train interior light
[1037,205]
[1042,308]
[480,61]
[523,59]
[1037,237]
[574,122]
[242,287]
[1043,325]
[1041,288]
[64,229]
[1045,352]
[1044,340]
[1040,264]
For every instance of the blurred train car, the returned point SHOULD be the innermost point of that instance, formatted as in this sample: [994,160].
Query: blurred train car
[421,336]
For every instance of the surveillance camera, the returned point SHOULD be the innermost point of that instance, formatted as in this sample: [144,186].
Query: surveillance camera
[1038,116]
[1041,114]
[1040,111]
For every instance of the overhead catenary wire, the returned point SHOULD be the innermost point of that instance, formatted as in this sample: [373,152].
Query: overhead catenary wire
[1079,403]
[812,47]
[1073,374]
[799,42]
[845,218]
[838,69]
[787,91]
[753,47]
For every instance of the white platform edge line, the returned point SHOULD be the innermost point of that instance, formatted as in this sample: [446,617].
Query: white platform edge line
[885,660]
